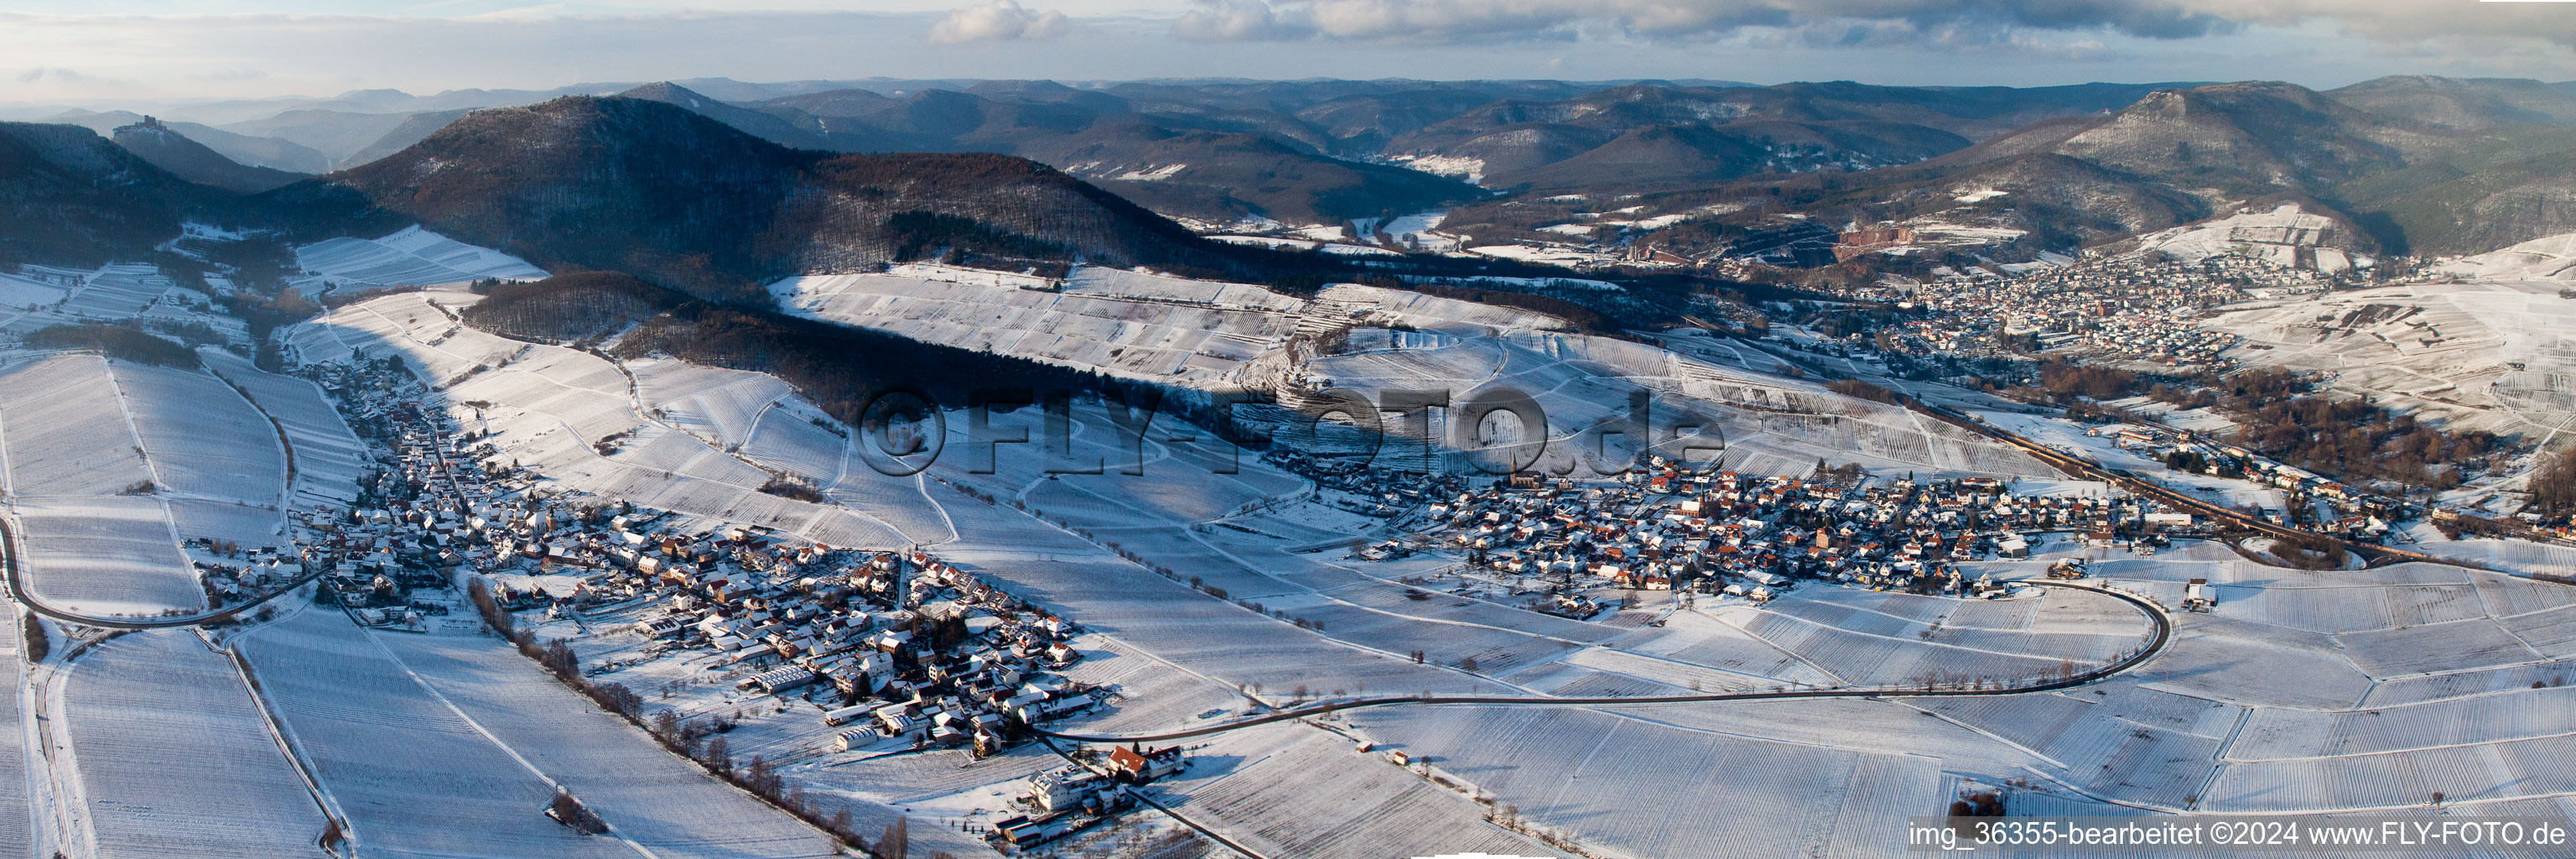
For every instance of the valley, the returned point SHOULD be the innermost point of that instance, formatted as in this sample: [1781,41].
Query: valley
[1335,469]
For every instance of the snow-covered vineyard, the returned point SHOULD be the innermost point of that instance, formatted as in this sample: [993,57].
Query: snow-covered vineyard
[498,579]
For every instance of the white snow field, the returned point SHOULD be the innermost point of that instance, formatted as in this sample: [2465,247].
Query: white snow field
[2278,236]
[18,292]
[2544,258]
[554,409]
[62,430]
[328,457]
[1193,334]
[117,292]
[1619,783]
[17,832]
[1206,334]
[413,256]
[646,794]
[202,438]
[174,758]
[107,466]
[1295,791]
[2482,355]
[104,556]
[414,778]
[2304,691]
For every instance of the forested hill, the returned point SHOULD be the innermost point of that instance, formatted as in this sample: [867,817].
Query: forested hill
[659,191]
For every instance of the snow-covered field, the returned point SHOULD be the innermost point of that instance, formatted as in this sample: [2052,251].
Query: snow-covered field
[1204,334]
[24,292]
[1610,780]
[2279,236]
[2306,691]
[415,778]
[1294,791]
[328,457]
[202,438]
[1195,335]
[107,466]
[412,256]
[62,431]
[2544,258]
[646,794]
[2481,355]
[552,408]
[174,759]
[107,555]
[117,292]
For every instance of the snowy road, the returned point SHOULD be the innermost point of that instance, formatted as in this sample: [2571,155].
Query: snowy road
[2155,614]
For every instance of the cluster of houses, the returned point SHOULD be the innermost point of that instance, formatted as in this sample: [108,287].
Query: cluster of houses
[1066,799]
[942,657]
[2136,308]
[257,572]
[917,651]
[1749,535]
[423,510]
[2361,514]
[1369,489]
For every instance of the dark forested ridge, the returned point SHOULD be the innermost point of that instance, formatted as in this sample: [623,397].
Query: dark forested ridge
[70,197]
[186,158]
[656,190]
[577,307]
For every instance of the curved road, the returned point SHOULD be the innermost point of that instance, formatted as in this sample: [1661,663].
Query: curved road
[2155,614]
[26,596]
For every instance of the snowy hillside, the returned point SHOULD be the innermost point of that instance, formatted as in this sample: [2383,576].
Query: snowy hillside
[2548,258]
[1205,335]
[413,256]
[2286,235]
[2484,355]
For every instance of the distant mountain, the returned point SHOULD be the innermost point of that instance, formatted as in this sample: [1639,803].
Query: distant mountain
[1225,176]
[190,160]
[413,129]
[657,190]
[70,197]
[1207,168]
[1650,135]
[246,149]
[2401,164]
[2463,103]
[2394,165]
[2245,139]
[1663,154]
[335,134]
[800,133]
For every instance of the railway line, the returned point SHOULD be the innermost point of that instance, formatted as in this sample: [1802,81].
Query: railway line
[2088,470]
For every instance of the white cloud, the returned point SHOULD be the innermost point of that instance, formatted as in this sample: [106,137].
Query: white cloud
[1953,21]
[40,73]
[1241,21]
[997,20]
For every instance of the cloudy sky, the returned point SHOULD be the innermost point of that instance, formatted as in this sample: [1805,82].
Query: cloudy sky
[92,50]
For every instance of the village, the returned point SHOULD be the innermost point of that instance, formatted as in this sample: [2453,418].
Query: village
[896,651]
[1566,546]
[2130,309]
[893,651]
[2145,314]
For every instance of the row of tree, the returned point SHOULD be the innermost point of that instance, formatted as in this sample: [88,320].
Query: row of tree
[697,739]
